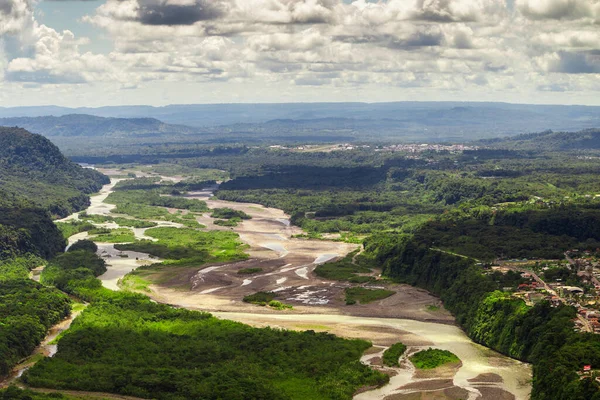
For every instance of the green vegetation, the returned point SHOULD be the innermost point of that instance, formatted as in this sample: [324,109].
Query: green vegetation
[266,299]
[279,305]
[260,298]
[136,282]
[33,170]
[198,174]
[142,211]
[125,199]
[364,295]
[435,220]
[185,245]
[27,311]
[70,268]
[393,354]
[120,235]
[183,250]
[229,213]
[542,335]
[347,269]
[126,344]
[132,223]
[227,222]
[149,204]
[433,358]
[14,393]
[249,271]
[71,228]
[154,183]
[189,220]
[86,245]
[37,183]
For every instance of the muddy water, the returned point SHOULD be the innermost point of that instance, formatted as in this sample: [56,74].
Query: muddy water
[120,263]
[475,359]
[97,204]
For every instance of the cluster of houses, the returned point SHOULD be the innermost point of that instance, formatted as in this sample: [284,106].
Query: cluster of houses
[534,290]
[591,316]
[339,147]
[419,148]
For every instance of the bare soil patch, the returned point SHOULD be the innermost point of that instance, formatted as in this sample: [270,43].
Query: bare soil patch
[487,378]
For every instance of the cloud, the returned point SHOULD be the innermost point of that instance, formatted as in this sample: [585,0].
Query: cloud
[447,10]
[575,63]
[430,45]
[163,12]
[559,9]
[14,16]
[55,59]
[178,12]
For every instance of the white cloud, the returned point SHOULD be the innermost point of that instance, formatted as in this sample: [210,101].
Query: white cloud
[433,45]
[560,9]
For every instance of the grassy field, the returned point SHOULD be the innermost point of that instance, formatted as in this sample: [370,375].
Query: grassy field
[154,198]
[71,228]
[345,270]
[363,296]
[120,235]
[132,223]
[184,250]
[433,358]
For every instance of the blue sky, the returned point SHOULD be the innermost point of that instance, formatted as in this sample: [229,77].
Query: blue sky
[67,15]
[157,52]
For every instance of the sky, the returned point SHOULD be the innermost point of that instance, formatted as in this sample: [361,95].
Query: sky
[158,52]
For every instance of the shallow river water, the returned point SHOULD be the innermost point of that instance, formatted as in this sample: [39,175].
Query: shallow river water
[476,359]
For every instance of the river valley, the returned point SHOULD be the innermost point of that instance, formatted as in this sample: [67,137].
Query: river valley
[411,316]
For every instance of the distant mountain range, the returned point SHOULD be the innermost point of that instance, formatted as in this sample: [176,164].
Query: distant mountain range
[441,117]
[252,124]
[93,126]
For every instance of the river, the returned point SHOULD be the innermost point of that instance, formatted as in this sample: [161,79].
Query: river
[484,374]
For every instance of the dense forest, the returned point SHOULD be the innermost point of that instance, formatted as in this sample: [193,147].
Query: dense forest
[27,310]
[36,183]
[125,343]
[541,335]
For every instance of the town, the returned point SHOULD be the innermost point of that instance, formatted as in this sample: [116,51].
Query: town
[572,281]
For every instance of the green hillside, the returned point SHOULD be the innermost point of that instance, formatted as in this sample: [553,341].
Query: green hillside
[588,139]
[81,125]
[36,183]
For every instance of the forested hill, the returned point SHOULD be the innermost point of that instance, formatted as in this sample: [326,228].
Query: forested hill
[588,139]
[36,183]
[91,126]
